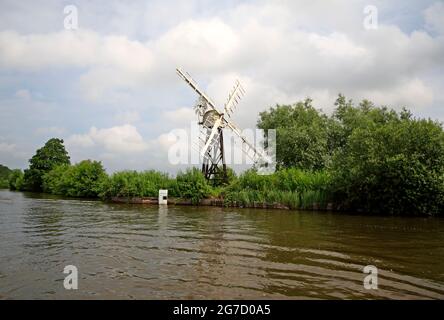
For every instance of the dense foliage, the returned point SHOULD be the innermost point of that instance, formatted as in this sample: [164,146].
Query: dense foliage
[130,184]
[5,172]
[390,163]
[52,154]
[192,184]
[83,179]
[380,160]
[16,180]
[293,187]
[302,137]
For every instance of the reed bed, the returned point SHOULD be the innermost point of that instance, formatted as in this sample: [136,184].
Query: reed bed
[293,188]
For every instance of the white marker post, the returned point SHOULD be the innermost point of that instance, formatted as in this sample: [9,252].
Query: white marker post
[163,196]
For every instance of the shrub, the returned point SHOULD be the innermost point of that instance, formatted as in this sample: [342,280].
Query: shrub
[192,184]
[83,179]
[16,180]
[130,184]
[301,135]
[391,164]
[5,173]
[293,187]
[55,181]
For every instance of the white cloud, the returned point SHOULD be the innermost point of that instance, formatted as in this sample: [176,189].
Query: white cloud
[7,147]
[122,61]
[50,130]
[165,140]
[80,48]
[80,140]
[434,16]
[180,117]
[118,139]
[12,154]
[266,47]
[23,94]
[127,117]
[110,61]
[203,44]
[403,95]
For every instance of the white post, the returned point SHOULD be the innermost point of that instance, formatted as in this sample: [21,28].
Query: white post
[163,196]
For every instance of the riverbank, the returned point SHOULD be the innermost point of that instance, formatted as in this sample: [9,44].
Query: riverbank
[217,202]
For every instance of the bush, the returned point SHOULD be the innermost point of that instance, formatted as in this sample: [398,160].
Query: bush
[294,188]
[4,183]
[16,180]
[131,184]
[83,179]
[55,181]
[391,164]
[192,184]
[5,173]
[301,135]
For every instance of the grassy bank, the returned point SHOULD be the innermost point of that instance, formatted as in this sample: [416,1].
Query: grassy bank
[291,188]
[294,188]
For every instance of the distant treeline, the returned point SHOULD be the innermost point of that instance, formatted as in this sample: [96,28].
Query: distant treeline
[361,158]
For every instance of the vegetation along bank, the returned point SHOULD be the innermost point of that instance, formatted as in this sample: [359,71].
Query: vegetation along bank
[360,158]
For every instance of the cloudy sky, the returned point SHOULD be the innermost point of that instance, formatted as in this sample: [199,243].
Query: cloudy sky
[109,87]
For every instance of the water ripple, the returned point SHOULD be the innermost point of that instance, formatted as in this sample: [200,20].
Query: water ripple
[135,251]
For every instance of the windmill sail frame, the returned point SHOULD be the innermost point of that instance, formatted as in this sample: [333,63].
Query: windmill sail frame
[214,167]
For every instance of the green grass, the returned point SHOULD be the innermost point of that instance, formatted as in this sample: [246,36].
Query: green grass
[293,188]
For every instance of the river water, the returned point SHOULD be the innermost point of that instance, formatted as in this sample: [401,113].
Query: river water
[151,252]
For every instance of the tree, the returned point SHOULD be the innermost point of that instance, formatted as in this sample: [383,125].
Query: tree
[379,160]
[4,176]
[16,180]
[301,135]
[52,154]
[80,180]
[389,163]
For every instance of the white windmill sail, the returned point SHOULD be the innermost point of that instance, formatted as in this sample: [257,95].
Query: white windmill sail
[233,98]
[255,153]
[193,85]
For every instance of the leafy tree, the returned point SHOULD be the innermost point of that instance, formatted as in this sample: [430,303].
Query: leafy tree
[52,154]
[389,162]
[55,181]
[16,180]
[4,176]
[379,160]
[83,179]
[301,135]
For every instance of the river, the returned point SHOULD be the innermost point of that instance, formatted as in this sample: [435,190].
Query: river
[150,252]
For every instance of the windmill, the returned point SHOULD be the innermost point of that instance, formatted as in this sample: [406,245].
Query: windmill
[212,122]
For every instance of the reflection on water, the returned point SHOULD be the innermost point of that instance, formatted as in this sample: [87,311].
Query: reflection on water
[150,252]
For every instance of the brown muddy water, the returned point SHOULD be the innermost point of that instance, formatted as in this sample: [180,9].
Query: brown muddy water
[147,252]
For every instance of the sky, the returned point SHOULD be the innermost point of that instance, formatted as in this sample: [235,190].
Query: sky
[108,86]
